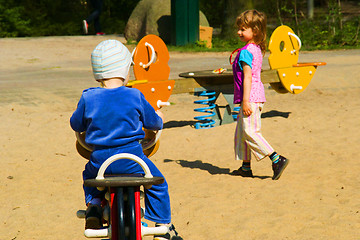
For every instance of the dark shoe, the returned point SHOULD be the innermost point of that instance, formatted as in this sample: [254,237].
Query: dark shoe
[93,218]
[279,167]
[171,235]
[241,172]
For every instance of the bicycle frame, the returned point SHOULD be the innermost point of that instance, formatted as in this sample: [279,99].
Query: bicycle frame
[124,221]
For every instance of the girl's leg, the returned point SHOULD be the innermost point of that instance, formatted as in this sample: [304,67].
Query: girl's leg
[253,137]
[242,151]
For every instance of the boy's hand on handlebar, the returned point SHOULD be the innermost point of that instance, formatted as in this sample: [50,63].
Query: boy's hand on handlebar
[160,114]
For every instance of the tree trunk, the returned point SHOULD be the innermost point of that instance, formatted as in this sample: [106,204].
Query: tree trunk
[278,12]
[296,18]
[310,9]
[233,8]
[340,16]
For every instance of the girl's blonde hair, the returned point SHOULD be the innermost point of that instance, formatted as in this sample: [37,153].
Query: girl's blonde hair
[257,22]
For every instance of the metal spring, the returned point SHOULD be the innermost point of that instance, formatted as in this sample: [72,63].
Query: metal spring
[205,120]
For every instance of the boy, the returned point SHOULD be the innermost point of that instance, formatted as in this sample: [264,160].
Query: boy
[113,117]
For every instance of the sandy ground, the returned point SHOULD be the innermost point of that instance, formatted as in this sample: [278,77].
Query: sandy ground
[317,197]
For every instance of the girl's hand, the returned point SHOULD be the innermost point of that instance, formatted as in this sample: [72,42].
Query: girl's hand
[246,108]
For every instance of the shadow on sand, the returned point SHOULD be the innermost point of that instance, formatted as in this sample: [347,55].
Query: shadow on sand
[213,170]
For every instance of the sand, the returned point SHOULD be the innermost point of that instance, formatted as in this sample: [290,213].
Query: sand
[317,196]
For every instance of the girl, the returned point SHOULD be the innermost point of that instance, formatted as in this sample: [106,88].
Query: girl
[249,93]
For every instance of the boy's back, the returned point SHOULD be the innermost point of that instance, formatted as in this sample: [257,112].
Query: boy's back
[114,117]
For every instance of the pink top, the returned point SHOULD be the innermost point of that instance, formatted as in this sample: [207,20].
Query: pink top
[251,55]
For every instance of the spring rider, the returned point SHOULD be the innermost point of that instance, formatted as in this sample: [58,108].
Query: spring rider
[122,210]
[284,49]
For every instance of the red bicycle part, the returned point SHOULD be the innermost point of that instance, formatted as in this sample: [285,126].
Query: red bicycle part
[138,213]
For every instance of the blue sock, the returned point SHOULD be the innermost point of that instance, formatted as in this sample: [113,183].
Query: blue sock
[274,157]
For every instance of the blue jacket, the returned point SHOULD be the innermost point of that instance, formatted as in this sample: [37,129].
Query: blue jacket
[114,117]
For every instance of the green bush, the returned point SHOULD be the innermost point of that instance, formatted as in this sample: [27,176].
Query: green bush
[328,29]
[11,22]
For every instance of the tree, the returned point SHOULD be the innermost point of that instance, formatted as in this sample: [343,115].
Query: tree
[12,22]
[232,9]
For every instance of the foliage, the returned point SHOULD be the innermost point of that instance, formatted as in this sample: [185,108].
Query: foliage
[11,23]
[115,15]
[328,29]
[213,10]
[20,18]
[218,45]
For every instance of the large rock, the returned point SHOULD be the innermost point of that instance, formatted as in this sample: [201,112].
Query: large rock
[153,17]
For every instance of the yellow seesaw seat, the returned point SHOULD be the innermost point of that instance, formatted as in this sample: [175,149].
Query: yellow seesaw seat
[284,49]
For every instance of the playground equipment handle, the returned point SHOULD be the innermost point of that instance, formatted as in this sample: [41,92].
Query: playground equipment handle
[96,233]
[160,103]
[153,141]
[146,231]
[153,55]
[119,156]
[297,38]
[132,54]
[82,142]
[293,87]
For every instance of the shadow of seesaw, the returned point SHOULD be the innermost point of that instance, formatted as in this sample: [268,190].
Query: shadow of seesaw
[183,123]
[175,124]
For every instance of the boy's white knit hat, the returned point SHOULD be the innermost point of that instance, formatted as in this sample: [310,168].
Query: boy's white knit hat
[110,59]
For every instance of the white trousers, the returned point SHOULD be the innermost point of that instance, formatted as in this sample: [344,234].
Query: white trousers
[248,138]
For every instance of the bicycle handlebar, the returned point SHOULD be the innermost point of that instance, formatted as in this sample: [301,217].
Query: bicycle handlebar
[119,156]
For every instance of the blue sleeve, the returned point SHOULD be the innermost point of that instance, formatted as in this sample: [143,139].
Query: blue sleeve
[77,122]
[246,57]
[149,117]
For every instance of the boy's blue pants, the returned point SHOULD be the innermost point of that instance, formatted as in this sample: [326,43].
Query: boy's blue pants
[157,200]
